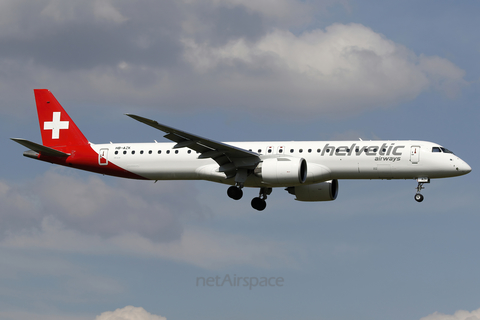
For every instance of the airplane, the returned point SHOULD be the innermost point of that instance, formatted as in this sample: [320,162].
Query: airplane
[309,170]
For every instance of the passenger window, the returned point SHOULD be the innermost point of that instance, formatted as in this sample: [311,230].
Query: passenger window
[259,150]
[168,151]
[124,152]
[116,152]
[133,151]
[301,150]
[150,152]
[176,151]
[189,151]
[318,150]
[280,150]
[141,151]
[269,150]
[159,151]
[309,150]
[436,149]
[291,150]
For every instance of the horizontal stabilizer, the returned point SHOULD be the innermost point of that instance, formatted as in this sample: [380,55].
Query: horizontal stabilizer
[40,148]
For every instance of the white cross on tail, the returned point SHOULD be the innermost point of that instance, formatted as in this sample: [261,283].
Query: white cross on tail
[55,125]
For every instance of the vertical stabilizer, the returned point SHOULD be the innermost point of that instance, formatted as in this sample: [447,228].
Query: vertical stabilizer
[57,128]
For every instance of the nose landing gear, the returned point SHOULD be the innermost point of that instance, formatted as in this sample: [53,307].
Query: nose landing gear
[421,181]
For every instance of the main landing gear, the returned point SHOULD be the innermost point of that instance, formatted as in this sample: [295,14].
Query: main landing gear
[235,192]
[258,203]
[421,181]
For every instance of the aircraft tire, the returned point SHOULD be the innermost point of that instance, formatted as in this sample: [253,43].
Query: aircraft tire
[235,193]
[418,197]
[259,204]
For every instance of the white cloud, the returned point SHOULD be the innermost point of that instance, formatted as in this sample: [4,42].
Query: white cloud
[70,214]
[93,207]
[104,10]
[344,68]
[201,247]
[443,75]
[28,19]
[458,315]
[59,11]
[226,63]
[129,313]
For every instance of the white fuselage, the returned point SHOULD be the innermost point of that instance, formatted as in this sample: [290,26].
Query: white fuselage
[338,160]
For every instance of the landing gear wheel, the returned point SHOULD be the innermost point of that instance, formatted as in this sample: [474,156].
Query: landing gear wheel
[421,181]
[259,204]
[418,197]
[235,193]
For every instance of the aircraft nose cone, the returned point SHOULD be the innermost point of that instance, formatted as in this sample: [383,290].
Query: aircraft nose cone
[465,168]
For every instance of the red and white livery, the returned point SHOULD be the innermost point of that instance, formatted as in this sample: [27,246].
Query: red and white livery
[310,170]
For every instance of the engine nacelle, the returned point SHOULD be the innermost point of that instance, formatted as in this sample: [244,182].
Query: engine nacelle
[282,171]
[318,173]
[323,191]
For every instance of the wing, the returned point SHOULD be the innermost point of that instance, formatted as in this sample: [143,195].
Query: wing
[228,157]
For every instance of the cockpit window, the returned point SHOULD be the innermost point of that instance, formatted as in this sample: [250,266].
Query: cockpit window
[445,150]
[436,149]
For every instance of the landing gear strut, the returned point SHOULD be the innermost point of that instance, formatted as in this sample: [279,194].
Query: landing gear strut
[235,192]
[418,196]
[259,202]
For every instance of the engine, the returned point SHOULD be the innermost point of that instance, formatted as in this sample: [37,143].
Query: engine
[282,171]
[323,191]
[318,173]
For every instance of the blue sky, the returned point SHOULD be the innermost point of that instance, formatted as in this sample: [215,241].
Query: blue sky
[232,71]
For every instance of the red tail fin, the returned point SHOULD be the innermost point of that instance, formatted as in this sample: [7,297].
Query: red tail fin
[57,128]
